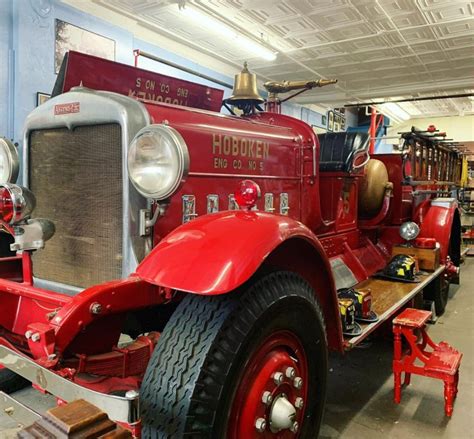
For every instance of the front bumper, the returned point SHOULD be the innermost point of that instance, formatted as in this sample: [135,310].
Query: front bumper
[124,410]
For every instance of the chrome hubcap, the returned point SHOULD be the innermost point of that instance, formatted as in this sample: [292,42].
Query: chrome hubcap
[282,415]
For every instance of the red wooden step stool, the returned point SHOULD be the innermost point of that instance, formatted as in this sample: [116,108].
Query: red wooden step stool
[442,361]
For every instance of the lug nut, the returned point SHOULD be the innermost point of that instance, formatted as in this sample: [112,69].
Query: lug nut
[96,308]
[260,425]
[131,394]
[278,378]
[267,398]
[28,334]
[299,403]
[294,427]
[35,337]
[290,372]
[298,383]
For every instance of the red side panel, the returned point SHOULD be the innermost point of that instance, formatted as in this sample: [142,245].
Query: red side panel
[102,74]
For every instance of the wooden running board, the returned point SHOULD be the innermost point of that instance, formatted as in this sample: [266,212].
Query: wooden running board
[388,297]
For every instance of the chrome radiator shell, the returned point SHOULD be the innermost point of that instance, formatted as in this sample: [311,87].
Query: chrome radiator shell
[90,107]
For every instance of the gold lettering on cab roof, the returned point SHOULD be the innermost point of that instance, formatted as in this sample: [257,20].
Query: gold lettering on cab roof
[236,146]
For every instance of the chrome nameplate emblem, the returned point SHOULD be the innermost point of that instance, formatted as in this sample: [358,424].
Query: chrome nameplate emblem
[69,108]
[189,208]
[269,203]
[284,204]
[232,203]
[212,203]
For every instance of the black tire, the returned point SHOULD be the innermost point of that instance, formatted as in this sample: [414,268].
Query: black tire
[11,382]
[438,291]
[192,377]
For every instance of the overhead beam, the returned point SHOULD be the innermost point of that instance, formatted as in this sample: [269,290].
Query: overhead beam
[424,98]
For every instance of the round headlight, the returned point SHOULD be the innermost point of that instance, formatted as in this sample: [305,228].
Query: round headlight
[158,161]
[409,230]
[9,162]
[16,203]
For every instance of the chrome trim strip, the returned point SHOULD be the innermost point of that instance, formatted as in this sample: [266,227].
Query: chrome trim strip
[243,176]
[57,287]
[94,108]
[118,408]
[20,413]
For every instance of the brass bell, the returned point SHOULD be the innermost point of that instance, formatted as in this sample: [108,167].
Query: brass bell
[245,88]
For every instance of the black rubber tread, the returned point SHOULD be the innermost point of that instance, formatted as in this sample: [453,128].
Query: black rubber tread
[438,291]
[11,382]
[184,386]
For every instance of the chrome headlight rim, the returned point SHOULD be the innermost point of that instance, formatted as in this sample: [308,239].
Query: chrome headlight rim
[182,152]
[23,202]
[13,161]
[409,230]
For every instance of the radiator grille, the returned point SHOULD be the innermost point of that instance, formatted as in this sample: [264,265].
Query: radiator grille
[77,179]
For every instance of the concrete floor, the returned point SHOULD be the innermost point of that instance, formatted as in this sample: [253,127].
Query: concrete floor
[359,403]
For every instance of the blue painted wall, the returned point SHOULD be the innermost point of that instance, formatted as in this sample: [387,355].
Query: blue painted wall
[5,65]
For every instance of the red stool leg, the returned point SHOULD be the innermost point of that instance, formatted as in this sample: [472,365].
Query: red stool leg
[456,381]
[407,380]
[448,396]
[397,387]
[397,356]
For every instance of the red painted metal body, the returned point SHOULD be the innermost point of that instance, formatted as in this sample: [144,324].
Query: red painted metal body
[310,226]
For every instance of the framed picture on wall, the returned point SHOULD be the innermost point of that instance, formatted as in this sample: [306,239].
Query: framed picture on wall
[41,98]
[324,120]
[330,120]
[70,37]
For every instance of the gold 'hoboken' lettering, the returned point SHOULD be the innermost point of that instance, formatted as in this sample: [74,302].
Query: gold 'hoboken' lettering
[216,144]
[240,146]
[227,145]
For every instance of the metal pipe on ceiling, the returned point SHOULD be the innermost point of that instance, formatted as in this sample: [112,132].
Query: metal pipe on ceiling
[425,98]
[138,52]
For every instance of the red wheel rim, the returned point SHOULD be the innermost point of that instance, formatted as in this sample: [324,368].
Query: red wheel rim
[252,414]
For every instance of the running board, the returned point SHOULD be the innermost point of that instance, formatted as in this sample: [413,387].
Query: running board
[119,409]
[388,297]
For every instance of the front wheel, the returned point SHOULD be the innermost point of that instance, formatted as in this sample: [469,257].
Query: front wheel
[252,364]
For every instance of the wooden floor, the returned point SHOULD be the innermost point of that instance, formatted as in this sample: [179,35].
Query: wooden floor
[387,298]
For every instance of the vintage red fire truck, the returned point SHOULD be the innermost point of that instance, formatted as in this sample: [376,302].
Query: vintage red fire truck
[179,267]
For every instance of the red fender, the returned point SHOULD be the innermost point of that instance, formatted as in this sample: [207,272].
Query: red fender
[215,254]
[437,222]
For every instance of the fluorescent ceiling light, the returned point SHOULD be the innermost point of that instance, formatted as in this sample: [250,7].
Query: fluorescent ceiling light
[217,26]
[410,108]
[395,110]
